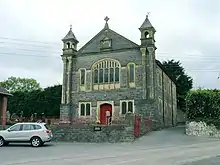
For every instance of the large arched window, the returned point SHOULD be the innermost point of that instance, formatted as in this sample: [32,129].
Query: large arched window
[106,71]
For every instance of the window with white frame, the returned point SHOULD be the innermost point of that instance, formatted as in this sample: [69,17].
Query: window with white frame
[106,71]
[82,77]
[126,106]
[131,72]
[85,108]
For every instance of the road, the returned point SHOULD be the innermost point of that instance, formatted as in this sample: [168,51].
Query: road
[169,146]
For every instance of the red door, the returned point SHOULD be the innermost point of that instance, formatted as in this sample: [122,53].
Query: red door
[103,109]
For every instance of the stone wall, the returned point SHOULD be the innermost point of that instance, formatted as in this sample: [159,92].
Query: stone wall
[86,133]
[202,129]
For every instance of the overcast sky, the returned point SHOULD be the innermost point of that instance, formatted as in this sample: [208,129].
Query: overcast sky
[31,33]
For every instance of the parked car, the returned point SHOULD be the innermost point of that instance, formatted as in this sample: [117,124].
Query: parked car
[35,133]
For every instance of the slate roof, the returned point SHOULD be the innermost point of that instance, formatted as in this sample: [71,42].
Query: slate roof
[3,91]
[164,70]
[70,35]
[146,24]
[118,41]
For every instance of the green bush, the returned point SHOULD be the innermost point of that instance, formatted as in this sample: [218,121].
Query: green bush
[203,105]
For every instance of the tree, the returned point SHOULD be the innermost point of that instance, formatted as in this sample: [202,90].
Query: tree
[17,84]
[45,101]
[183,82]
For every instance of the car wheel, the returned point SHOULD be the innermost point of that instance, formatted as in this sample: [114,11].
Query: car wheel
[2,141]
[36,142]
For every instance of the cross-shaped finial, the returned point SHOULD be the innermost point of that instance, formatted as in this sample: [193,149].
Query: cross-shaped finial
[106,19]
[70,27]
[148,13]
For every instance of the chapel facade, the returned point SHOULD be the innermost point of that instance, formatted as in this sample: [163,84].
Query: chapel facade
[111,76]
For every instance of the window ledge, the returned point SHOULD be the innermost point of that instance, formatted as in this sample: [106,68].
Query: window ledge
[132,85]
[106,86]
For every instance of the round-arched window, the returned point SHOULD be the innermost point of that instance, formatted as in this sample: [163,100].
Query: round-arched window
[106,71]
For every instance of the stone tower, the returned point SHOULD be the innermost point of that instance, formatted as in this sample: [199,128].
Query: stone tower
[148,58]
[69,65]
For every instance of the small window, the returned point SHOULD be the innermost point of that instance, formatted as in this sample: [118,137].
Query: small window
[127,106]
[130,106]
[82,76]
[85,109]
[82,110]
[146,34]
[124,108]
[131,72]
[68,45]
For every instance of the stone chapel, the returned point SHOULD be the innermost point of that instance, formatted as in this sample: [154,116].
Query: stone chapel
[112,74]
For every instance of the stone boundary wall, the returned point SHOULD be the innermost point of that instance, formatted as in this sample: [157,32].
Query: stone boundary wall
[202,129]
[114,133]
[86,133]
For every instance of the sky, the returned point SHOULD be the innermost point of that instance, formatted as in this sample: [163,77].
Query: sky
[31,33]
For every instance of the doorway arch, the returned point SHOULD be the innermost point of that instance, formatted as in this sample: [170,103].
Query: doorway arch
[105,113]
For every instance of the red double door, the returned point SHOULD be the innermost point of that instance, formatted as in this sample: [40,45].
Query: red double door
[105,113]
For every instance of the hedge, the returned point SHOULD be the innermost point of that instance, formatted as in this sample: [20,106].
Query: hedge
[203,105]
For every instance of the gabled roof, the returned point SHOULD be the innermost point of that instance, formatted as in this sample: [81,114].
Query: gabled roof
[3,91]
[118,41]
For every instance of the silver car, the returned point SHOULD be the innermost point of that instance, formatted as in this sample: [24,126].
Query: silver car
[35,133]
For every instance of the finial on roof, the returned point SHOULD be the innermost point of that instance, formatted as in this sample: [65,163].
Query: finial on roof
[70,35]
[106,19]
[106,22]
[146,24]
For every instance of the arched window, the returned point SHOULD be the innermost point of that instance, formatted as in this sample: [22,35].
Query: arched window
[82,76]
[146,34]
[106,71]
[131,74]
[68,45]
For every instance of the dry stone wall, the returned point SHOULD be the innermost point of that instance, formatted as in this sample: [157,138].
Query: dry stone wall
[202,129]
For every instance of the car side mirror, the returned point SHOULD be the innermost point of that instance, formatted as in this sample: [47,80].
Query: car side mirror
[8,130]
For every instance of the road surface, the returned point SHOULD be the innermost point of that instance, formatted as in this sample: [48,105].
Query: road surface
[165,147]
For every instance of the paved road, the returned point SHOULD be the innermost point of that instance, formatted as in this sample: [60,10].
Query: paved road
[165,147]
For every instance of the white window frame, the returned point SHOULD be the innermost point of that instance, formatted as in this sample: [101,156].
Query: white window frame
[121,101]
[79,111]
[106,63]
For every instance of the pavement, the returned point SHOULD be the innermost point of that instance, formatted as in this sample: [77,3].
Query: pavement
[168,147]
